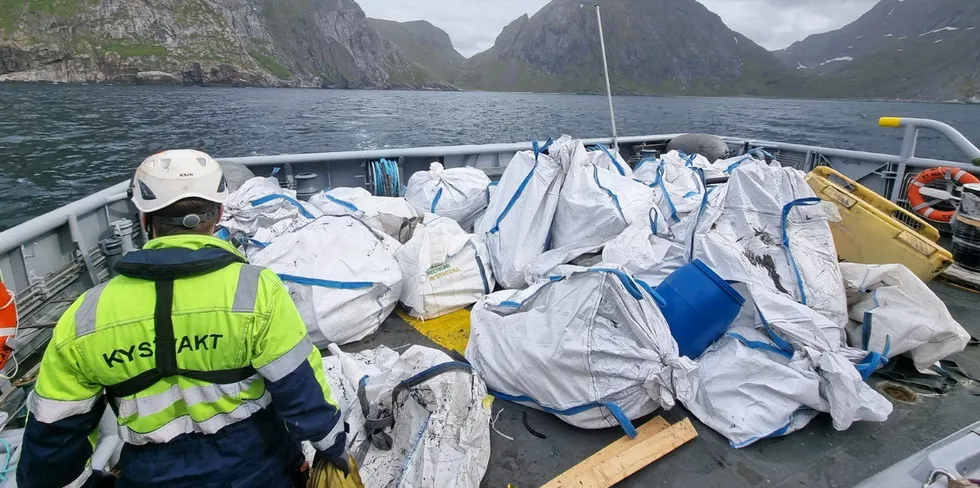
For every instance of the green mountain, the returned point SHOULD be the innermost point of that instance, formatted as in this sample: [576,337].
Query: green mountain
[905,49]
[312,43]
[654,47]
[423,43]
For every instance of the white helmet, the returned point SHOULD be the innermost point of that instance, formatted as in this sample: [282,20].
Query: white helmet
[169,176]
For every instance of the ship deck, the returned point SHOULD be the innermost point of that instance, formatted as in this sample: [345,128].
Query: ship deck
[817,456]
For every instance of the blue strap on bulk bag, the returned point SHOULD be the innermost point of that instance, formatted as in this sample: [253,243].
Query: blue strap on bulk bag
[653,220]
[624,278]
[779,341]
[802,202]
[644,161]
[612,158]
[278,196]
[759,345]
[343,203]
[653,293]
[435,201]
[612,195]
[617,412]
[340,285]
[873,360]
[670,203]
[538,149]
[631,286]
[736,164]
[777,433]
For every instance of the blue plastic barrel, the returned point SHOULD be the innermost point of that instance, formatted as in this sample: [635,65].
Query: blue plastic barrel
[699,307]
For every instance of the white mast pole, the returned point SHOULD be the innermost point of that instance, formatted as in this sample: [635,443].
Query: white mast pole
[605,67]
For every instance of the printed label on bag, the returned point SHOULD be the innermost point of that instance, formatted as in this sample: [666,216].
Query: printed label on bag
[442,271]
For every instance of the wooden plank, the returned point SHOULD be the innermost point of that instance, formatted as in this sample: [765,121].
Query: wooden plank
[653,427]
[626,456]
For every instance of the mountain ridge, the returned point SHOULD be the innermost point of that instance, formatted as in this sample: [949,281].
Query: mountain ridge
[899,49]
[424,43]
[284,43]
[654,47]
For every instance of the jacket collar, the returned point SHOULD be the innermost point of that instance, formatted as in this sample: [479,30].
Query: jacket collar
[193,242]
[178,256]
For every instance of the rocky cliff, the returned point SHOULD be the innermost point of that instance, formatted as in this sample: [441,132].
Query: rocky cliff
[308,43]
[654,47]
[423,43]
[908,49]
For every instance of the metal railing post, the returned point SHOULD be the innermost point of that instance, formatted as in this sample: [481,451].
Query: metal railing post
[909,142]
[911,133]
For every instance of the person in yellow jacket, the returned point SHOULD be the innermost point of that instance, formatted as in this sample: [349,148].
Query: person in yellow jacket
[204,358]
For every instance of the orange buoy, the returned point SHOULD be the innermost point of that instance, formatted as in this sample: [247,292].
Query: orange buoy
[918,201]
[8,322]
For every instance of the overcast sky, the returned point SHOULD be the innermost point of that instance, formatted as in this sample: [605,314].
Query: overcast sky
[474,24]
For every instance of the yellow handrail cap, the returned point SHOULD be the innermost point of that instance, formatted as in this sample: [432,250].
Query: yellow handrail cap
[890,121]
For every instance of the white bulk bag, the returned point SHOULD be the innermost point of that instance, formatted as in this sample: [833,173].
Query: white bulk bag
[749,393]
[653,251]
[727,166]
[392,215]
[262,210]
[340,274]
[444,269]
[596,204]
[440,434]
[562,262]
[678,190]
[458,193]
[802,330]
[597,332]
[518,220]
[774,232]
[645,255]
[609,159]
[677,158]
[775,369]
[890,305]
[478,221]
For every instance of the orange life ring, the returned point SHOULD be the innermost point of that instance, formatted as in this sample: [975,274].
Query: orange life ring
[8,322]
[918,201]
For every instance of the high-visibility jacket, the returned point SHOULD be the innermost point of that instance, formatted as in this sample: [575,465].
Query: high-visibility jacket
[205,360]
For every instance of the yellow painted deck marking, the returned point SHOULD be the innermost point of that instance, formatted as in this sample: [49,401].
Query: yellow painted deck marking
[451,331]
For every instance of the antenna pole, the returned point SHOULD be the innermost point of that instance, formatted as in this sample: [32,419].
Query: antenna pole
[605,67]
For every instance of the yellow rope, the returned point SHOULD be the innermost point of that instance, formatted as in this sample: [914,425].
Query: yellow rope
[326,475]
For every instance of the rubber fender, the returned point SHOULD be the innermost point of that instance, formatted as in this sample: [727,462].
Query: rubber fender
[707,145]
[235,174]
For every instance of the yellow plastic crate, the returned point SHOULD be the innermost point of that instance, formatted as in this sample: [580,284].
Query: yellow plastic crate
[870,231]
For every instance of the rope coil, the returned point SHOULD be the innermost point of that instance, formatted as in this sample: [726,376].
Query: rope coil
[386,177]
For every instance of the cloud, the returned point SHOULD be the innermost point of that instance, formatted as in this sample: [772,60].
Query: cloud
[776,24]
[473,25]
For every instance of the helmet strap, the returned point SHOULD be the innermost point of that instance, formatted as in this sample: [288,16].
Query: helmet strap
[188,221]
